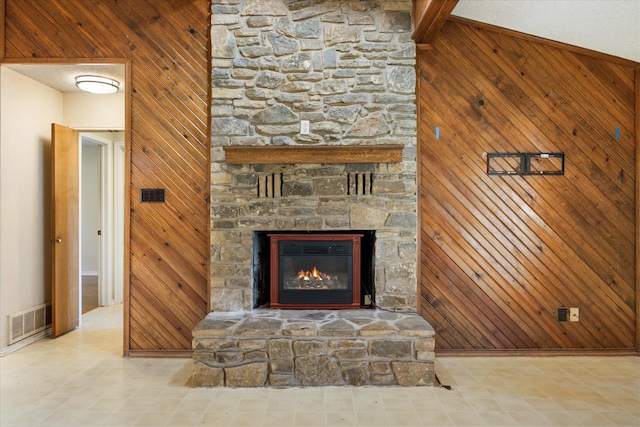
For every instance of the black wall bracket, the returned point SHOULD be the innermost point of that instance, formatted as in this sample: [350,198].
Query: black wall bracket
[525,163]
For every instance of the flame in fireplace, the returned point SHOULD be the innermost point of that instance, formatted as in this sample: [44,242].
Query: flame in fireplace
[315,274]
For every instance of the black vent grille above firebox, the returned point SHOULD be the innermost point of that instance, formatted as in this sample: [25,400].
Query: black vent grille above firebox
[271,185]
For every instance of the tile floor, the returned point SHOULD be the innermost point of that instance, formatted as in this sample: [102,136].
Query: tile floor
[81,379]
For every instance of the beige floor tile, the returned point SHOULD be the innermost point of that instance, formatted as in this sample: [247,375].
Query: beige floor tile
[185,419]
[515,404]
[152,419]
[455,404]
[283,393]
[575,418]
[365,393]
[217,418]
[543,405]
[247,419]
[466,418]
[372,418]
[164,405]
[309,418]
[485,405]
[223,405]
[23,418]
[402,418]
[309,405]
[281,405]
[108,404]
[252,405]
[395,405]
[435,419]
[338,393]
[136,405]
[621,418]
[427,405]
[530,419]
[368,404]
[123,419]
[44,404]
[340,419]
[497,418]
[94,385]
[339,405]
[279,419]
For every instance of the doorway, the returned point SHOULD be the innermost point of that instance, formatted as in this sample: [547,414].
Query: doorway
[102,217]
[35,95]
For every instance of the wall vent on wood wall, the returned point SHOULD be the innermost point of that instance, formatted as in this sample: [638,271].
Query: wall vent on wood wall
[29,322]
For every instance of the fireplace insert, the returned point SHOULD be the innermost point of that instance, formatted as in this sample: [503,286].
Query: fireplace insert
[315,270]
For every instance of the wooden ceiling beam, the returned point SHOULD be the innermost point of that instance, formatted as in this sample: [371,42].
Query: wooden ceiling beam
[429,16]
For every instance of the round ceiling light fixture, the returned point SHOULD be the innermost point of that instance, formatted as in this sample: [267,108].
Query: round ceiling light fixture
[97,84]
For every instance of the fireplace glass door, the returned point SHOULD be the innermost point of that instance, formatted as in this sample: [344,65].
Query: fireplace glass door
[314,271]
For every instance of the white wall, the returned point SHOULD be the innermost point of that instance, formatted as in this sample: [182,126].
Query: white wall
[608,26]
[27,109]
[90,207]
[89,111]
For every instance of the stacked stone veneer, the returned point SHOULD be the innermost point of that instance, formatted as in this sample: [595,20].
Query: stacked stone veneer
[313,348]
[348,68]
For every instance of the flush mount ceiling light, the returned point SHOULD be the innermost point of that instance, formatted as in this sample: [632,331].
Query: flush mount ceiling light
[97,84]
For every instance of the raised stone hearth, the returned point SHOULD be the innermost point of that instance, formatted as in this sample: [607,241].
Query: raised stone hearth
[285,348]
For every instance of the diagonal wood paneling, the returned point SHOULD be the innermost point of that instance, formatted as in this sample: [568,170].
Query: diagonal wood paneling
[499,255]
[167,45]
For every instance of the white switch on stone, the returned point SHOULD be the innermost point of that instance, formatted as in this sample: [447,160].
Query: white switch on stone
[304,127]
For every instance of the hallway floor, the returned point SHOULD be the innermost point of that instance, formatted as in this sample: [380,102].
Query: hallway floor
[81,379]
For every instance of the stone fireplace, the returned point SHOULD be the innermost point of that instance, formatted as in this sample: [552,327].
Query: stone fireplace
[346,67]
[308,100]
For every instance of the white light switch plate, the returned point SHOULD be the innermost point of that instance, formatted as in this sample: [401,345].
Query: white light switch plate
[574,314]
[304,127]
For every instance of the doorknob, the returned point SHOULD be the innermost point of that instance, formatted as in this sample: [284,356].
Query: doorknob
[59,240]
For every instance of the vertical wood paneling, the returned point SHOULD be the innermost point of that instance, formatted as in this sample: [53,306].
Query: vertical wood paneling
[500,254]
[166,43]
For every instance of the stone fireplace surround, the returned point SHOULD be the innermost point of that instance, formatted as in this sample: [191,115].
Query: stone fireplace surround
[248,346]
[348,68]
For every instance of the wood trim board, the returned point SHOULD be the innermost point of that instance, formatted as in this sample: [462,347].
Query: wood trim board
[391,153]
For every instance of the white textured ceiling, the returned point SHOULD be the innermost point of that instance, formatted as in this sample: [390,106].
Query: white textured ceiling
[62,76]
[607,26]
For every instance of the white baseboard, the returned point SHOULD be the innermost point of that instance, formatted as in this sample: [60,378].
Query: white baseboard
[25,342]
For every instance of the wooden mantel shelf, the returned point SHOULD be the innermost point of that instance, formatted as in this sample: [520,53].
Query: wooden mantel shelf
[289,154]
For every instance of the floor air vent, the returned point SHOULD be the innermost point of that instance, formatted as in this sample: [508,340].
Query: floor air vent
[29,322]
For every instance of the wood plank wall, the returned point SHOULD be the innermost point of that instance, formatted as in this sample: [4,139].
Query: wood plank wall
[499,254]
[166,43]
